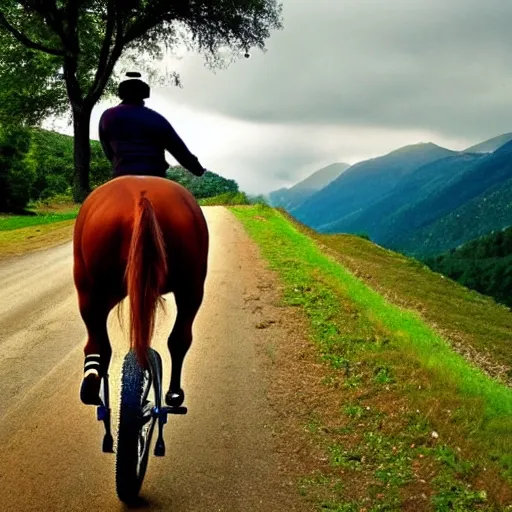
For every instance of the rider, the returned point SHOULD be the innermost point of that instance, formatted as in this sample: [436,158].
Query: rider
[134,137]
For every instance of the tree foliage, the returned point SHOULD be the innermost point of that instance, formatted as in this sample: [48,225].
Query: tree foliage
[57,51]
[15,179]
[484,265]
[50,161]
[37,164]
[209,185]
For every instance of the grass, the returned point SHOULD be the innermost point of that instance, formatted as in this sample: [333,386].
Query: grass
[13,222]
[57,209]
[472,322]
[416,422]
[44,225]
[33,238]
[230,199]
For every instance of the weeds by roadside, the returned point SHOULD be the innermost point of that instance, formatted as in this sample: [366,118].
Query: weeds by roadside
[411,425]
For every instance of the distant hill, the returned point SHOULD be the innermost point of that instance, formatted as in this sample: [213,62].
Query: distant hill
[364,184]
[208,185]
[484,265]
[490,145]
[292,197]
[321,178]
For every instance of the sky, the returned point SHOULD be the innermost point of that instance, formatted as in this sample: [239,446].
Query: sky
[345,80]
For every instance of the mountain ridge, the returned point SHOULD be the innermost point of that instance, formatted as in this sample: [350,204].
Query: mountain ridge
[364,183]
[292,197]
[414,198]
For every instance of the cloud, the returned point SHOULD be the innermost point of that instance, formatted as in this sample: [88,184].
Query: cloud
[400,64]
[345,81]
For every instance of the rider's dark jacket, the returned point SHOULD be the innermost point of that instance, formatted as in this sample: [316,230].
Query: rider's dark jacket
[135,138]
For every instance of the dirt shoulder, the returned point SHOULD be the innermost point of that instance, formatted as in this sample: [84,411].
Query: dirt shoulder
[293,375]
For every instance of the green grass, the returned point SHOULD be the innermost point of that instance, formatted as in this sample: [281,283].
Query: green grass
[45,224]
[58,208]
[232,198]
[392,358]
[464,316]
[12,222]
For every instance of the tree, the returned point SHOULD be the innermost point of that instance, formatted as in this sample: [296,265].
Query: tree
[208,185]
[59,52]
[15,178]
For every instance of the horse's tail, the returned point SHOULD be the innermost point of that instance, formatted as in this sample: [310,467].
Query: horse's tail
[146,273]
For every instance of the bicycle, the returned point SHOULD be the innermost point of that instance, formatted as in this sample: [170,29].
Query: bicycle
[137,420]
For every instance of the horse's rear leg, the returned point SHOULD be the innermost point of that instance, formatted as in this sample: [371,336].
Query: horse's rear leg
[97,350]
[188,302]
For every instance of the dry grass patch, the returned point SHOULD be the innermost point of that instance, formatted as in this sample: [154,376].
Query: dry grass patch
[35,238]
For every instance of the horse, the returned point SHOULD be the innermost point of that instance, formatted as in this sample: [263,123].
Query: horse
[141,237]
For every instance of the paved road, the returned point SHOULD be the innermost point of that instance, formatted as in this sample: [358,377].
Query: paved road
[220,456]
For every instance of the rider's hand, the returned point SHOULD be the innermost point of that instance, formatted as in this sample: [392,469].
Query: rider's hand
[200,171]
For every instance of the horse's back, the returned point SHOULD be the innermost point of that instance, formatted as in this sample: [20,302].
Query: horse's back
[104,226]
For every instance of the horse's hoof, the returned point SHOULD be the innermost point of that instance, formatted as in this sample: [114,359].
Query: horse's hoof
[173,399]
[90,390]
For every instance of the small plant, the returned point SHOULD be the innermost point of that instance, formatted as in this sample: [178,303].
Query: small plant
[353,410]
[383,375]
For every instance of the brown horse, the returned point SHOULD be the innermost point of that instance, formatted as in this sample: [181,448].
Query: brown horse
[139,236]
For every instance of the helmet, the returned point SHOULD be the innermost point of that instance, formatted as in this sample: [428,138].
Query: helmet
[133,88]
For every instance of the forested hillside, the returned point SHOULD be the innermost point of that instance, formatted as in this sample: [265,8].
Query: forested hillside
[477,202]
[37,164]
[208,185]
[484,265]
[392,213]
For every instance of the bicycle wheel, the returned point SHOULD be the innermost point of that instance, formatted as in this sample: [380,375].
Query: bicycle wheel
[136,425]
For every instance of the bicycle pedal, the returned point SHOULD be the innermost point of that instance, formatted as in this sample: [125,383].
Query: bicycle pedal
[101,412]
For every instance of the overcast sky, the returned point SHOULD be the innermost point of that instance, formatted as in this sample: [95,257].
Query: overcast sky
[344,81]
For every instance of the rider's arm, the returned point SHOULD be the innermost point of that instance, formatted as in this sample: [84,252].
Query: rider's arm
[104,143]
[179,150]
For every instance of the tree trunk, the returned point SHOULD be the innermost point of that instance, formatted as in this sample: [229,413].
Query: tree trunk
[82,150]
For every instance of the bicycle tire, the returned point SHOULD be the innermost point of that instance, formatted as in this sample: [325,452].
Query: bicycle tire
[132,457]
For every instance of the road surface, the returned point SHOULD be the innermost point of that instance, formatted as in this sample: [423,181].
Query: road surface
[220,457]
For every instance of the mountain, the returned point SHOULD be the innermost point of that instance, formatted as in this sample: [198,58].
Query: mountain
[321,178]
[490,145]
[488,212]
[477,202]
[364,184]
[380,218]
[290,198]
